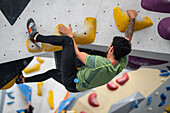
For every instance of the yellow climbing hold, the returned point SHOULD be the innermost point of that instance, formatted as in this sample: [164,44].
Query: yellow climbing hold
[31,69]
[122,20]
[39,88]
[10,84]
[167,108]
[48,47]
[50,99]
[56,32]
[32,47]
[65,111]
[87,34]
[40,60]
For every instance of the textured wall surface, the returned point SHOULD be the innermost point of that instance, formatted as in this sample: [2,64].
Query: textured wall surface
[49,13]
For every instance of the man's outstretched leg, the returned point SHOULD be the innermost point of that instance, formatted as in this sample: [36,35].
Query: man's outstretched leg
[53,73]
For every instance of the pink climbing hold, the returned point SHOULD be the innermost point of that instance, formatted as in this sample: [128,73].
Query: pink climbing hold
[123,79]
[112,86]
[164,28]
[156,5]
[93,100]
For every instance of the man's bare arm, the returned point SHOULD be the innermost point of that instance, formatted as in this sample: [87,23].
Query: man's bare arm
[80,55]
[68,31]
[130,28]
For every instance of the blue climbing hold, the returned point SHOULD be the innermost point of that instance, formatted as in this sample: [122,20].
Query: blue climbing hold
[76,80]
[9,92]
[21,111]
[165,74]
[163,97]
[10,96]
[64,104]
[149,101]
[134,104]
[162,71]
[161,104]
[10,102]
[26,91]
[168,88]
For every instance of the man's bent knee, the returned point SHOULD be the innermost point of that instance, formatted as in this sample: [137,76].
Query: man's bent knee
[68,41]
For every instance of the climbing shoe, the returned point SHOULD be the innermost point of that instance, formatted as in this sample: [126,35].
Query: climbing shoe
[32,30]
[19,79]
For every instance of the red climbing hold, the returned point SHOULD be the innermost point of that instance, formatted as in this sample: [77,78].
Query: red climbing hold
[92,100]
[82,112]
[122,80]
[112,86]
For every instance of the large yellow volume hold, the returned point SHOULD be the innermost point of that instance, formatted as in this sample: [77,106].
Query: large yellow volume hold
[87,34]
[122,20]
[50,99]
[33,47]
[39,88]
[48,47]
[40,60]
[31,69]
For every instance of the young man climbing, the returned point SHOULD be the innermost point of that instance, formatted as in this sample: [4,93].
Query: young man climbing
[97,70]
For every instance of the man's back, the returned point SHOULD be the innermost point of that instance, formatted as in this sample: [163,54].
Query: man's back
[98,71]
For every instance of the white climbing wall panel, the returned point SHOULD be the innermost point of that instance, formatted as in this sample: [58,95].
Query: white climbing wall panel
[49,13]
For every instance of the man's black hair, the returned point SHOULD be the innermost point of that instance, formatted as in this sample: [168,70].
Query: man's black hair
[122,47]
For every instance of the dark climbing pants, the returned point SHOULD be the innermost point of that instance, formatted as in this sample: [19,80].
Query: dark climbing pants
[68,67]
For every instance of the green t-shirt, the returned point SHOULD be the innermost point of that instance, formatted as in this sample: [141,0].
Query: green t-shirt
[98,71]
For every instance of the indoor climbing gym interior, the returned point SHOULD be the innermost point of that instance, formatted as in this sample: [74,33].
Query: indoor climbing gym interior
[143,86]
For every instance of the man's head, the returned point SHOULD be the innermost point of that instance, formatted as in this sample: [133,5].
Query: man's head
[121,47]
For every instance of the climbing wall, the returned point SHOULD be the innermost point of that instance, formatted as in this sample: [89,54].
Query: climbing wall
[146,43]
[155,105]
[39,102]
[47,15]
[141,85]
